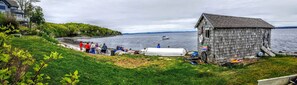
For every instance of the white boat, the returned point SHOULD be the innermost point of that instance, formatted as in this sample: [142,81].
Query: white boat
[165,52]
[165,38]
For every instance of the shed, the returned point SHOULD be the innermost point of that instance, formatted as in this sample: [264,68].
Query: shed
[222,38]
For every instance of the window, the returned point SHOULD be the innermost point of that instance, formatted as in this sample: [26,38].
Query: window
[207,33]
[201,30]
[2,7]
[13,8]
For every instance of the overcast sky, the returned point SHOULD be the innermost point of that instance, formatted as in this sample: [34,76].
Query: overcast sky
[130,16]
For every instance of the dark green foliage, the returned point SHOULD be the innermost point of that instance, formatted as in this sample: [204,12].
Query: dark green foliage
[2,18]
[37,16]
[76,29]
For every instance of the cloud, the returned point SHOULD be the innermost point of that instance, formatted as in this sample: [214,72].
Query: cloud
[163,15]
[182,20]
[157,28]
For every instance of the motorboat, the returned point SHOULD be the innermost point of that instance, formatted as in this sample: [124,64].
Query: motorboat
[165,38]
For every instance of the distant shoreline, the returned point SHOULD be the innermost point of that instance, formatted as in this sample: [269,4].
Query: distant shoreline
[188,31]
[286,28]
[157,32]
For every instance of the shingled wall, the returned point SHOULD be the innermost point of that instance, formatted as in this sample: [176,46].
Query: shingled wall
[237,43]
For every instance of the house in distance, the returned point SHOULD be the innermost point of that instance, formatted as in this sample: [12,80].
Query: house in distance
[11,7]
[222,38]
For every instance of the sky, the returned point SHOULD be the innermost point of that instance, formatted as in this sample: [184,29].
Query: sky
[133,16]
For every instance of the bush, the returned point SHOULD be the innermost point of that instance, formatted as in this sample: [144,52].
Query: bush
[30,31]
[10,24]
[24,30]
[70,79]
[49,38]
[15,66]
[3,39]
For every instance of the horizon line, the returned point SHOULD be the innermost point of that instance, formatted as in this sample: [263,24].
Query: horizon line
[158,32]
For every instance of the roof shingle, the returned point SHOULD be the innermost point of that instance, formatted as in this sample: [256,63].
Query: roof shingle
[12,3]
[222,21]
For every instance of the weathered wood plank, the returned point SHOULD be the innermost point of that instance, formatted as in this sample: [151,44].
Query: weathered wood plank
[268,51]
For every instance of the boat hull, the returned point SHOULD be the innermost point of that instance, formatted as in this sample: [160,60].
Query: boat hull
[165,52]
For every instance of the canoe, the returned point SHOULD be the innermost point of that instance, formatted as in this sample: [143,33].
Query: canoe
[165,52]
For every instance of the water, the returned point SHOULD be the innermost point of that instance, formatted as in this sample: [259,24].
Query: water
[186,40]
[282,39]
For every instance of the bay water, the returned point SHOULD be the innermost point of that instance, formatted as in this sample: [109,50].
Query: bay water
[282,39]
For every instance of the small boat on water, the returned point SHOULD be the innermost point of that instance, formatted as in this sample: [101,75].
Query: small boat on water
[165,38]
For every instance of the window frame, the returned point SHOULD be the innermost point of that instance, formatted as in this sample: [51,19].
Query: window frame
[2,6]
[207,33]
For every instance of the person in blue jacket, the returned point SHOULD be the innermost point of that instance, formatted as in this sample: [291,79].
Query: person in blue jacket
[93,46]
[158,46]
[104,48]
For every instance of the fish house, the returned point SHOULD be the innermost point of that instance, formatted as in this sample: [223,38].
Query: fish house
[222,38]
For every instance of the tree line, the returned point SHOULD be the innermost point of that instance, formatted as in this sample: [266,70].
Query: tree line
[38,26]
[76,29]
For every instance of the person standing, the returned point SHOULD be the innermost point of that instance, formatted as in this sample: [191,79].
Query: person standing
[93,48]
[98,48]
[81,45]
[158,46]
[87,47]
[104,48]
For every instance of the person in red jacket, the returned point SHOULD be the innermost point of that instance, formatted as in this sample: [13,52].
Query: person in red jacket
[87,46]
[81,45]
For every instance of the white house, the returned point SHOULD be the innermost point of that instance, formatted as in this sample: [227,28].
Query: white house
[12,7]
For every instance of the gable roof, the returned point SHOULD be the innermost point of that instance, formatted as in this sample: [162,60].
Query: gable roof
[11,3]
[223,21]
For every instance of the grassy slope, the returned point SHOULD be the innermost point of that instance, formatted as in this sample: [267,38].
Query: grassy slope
[126,69]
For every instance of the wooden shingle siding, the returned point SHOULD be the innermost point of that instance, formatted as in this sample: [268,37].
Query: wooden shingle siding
[238,43]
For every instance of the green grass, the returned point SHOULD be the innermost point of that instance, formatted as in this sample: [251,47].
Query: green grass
[131,69]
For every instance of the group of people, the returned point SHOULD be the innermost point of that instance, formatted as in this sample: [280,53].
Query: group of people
[93,48]
[97,49]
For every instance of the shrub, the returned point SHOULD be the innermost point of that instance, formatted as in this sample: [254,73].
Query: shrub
[70,79]
[49,38]
[24,30]
[15,64]
[3,39]
[10,24]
